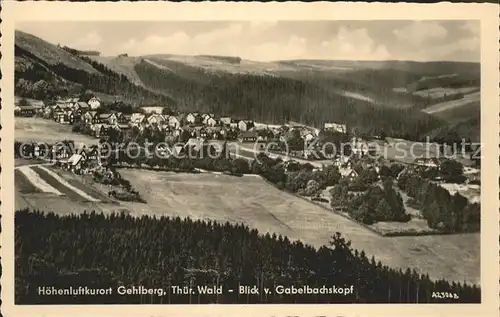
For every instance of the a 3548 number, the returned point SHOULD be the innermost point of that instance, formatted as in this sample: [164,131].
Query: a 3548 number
[445,295]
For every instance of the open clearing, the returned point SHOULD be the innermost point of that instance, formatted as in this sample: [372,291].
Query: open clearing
[252,201]
[472,98]
[439,92]
[44,130]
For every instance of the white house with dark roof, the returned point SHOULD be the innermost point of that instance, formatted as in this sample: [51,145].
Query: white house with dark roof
[337,127]
[94,103]
[245,125]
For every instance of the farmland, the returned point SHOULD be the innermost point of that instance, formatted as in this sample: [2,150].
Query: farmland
[41,187]
[253,202]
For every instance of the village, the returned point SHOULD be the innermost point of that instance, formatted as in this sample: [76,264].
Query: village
[91,118]
[281,150]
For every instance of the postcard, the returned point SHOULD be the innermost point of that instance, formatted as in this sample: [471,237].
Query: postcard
[257,159]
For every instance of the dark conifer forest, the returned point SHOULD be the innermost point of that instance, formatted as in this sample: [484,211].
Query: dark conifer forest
[101,251]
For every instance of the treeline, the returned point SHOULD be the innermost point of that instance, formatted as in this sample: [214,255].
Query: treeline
[107,82]
[442,211]
[79,52]
[280,99]
[161,252]
[452,81]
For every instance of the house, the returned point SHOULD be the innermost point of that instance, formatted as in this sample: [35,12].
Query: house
[92,153]
[342,128]
[195,144]
[69,116]
[225,120]
[70,102]
[81,107]
[61,152]
[245,125]
[199,147]
[27,111]
[155,119]
[75,162]
[152,109]
[59,116]
[94,103]
[20,101]
[121,118]
[348,173]
[192,117]
[90,117]
[174,122]
[308,137]
[233,124]
[137,119]
[248,136]
[211,122]
[342,161]
[109,118]
[204,118]
[47,112]
[102,130]
[430,162]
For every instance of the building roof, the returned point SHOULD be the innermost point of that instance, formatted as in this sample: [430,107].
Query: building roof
[105,115]
[426,160]
[82,104]
[75,159]
[347,171]
[137,117]
[27,107]
[249,134]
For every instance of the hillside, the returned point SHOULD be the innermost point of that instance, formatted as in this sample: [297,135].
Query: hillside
[364,95]
[44,70]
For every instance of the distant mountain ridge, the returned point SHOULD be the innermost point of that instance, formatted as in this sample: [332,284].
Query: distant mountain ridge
[360,94]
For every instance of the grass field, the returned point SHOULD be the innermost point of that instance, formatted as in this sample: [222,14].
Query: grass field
[440,92]
[472,98]
[40,187]
[43,130]
[252,201]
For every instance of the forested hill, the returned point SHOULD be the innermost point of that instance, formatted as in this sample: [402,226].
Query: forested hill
[44,71]
[161,252]
[360,94]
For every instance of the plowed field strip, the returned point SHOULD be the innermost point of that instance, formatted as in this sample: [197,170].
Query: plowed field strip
[23,184]
[88,190]
[56,181]
[35,179]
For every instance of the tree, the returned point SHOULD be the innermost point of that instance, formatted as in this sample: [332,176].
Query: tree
[23,102]
[383,211]
[452,171]
[167,111]
[294,141]
[241,165]
[332,175]
[312,188]
[368,176]
[433,215]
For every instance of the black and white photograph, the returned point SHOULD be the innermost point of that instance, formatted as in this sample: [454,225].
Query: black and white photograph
[247,162]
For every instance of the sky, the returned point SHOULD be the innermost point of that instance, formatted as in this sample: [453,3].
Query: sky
[450,40]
